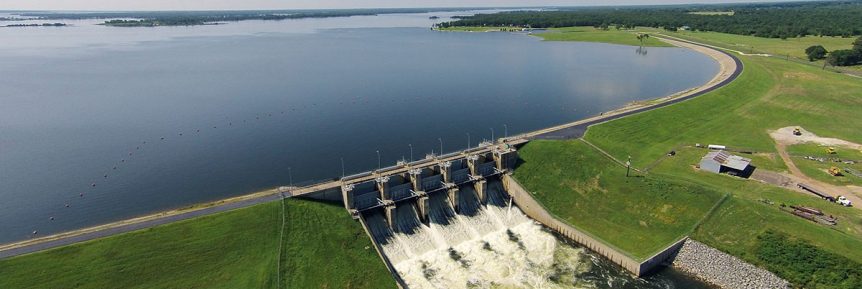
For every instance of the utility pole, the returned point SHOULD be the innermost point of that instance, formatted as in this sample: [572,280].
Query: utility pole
[492,135]
[411,152]
[506,130]
[342,167]
[290,175]
[468,140]
[628,166]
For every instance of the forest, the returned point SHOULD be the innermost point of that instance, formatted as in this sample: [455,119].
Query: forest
[188,18]
[773,20]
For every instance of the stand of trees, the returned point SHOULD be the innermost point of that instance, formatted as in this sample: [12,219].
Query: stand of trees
[778,20]
[844,57]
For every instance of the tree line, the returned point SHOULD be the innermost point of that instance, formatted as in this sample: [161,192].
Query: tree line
[843,57]
[775,20]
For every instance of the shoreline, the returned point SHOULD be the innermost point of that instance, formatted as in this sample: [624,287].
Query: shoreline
[729,68]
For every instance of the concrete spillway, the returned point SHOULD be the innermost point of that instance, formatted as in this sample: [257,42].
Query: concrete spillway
[486,245]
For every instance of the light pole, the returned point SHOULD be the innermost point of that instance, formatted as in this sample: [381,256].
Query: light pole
[492,134]
[342,167]
[506,130]
[290,175]
[468,140]
[378,159]
[441,145]
[411,152]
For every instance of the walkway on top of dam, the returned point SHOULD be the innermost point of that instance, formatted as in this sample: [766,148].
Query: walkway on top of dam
[403,168]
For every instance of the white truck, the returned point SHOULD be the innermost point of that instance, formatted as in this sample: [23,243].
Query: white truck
[844,201]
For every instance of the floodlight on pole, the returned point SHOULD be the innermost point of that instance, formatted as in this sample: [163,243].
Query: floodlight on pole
[441,145]
[378,159]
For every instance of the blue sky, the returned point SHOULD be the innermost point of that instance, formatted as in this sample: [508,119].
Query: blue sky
[308,4]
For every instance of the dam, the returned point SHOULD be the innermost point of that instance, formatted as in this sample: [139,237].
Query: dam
[451,221]
[461,220]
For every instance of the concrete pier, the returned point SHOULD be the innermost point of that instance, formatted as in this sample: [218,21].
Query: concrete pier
[411,184]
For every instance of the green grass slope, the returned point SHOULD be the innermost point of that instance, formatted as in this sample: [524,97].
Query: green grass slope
[323,248]
[770,94]
[236,249]
[639,215]
[590,34]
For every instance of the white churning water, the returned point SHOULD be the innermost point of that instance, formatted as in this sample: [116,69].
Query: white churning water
[490,246]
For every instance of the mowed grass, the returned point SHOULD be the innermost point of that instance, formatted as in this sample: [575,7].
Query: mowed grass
[734,227]
[236,249]
[323,248]
[591,34]
[818,170]
[795,47]
[770,94]
[639,215]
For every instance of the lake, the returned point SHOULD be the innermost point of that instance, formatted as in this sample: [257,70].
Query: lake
[99,124]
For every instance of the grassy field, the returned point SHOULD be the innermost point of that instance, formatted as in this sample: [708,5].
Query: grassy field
[590,34]
[748,213]
[236,249]
[639,215]
[795,47]
[325,248]
[770,94]
[818,170]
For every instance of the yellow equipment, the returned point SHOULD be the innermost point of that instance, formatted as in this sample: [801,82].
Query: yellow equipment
[830,150]
[835,171]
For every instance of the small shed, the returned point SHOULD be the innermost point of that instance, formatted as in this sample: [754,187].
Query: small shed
[723,162]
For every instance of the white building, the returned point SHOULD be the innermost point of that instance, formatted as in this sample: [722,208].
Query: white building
[723,162]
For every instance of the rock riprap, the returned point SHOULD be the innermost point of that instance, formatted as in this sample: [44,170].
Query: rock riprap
[723,270]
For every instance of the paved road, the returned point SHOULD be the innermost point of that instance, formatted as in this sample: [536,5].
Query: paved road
[30,248]
[578,131]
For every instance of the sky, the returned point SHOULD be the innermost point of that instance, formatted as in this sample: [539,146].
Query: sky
[312,4]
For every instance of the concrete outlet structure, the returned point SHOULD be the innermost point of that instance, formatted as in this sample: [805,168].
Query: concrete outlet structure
[412,184]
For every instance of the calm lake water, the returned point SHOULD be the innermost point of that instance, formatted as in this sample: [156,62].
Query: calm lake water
[251,105]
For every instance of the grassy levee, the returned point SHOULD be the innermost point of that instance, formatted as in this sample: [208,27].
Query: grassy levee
[639,215]
[590,34]
[770,94]
[795,47]
[323,248]
[235,249]
[328,249]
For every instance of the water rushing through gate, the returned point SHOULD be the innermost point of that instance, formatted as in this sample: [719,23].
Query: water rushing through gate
[492,245]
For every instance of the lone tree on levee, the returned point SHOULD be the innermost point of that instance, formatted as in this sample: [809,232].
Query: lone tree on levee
[641,37]
[815,52]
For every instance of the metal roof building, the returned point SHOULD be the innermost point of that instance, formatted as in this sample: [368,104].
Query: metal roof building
[723,162]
